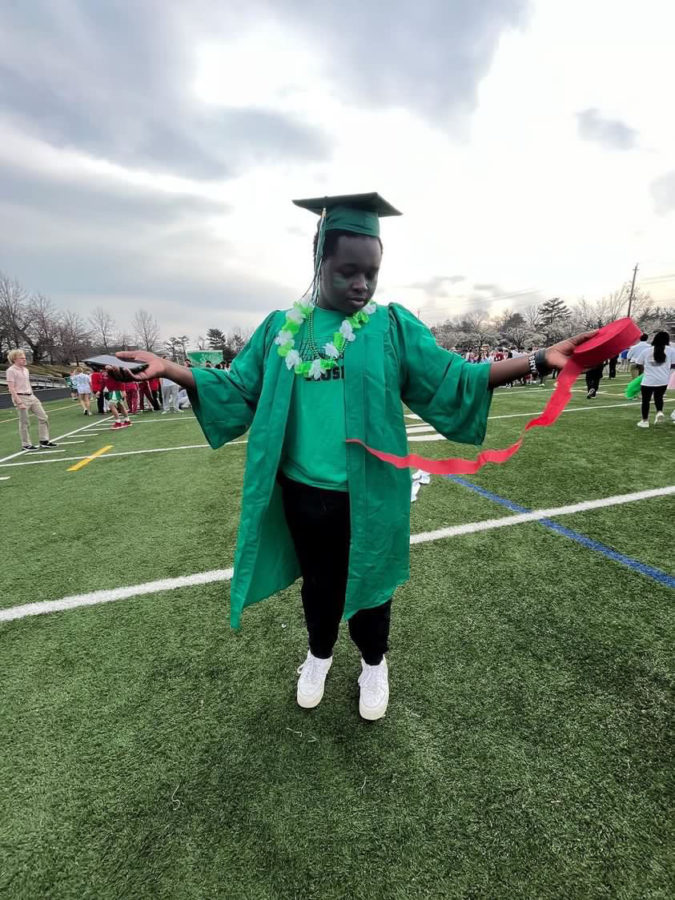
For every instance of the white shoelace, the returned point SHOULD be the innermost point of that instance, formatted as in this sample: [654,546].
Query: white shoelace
[312,670]
[374,681]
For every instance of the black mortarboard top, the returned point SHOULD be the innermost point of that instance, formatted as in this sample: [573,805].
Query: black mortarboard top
[359,213]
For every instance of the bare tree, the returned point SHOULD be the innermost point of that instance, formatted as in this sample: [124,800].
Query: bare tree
[103,328]
[124,340]
[42,334]
[74,339]
[146,330]
[15,315]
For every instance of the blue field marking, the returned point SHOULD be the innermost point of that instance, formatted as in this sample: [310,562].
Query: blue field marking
[634,564]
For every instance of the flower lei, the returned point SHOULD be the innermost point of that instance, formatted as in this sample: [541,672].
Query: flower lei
[333,350]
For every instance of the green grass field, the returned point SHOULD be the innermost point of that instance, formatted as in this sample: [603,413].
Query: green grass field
[148,751]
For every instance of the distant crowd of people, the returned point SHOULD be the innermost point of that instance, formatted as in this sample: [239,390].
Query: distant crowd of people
[124,399]
[653,360]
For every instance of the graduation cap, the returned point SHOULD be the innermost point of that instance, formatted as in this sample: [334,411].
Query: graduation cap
[359,213]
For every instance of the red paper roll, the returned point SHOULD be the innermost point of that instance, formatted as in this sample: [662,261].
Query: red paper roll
[608,342]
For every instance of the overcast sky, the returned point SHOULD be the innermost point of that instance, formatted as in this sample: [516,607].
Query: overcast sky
[150,149]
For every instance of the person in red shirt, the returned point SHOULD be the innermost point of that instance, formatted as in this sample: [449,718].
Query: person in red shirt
[155,388]
[147,390]
[116,402]
[98,387]
[131,391]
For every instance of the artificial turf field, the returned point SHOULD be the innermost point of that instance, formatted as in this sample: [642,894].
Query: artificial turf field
[150,751]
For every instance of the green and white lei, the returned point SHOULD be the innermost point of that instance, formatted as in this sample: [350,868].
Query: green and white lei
[332,351]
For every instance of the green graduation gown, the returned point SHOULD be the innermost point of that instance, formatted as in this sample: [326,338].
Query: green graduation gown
[394,358]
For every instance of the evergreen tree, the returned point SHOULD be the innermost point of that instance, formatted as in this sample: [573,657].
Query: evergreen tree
[553,316]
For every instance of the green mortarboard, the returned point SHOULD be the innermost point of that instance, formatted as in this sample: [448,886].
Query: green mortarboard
[359,213]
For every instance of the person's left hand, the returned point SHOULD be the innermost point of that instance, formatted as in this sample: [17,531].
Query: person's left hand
[558,354]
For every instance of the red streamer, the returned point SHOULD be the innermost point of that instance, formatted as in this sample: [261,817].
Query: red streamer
[608,342]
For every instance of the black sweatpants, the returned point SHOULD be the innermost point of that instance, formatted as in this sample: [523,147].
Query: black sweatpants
[593,377]
[319,524]
[658,392]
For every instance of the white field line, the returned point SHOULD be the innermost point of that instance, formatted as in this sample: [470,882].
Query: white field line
[538,514]
[48,410]
[413,432]
[5,477]
[414,435]
[152,587]
[33,462]
[68,443]
[172,420]
[134,590]
[56,439]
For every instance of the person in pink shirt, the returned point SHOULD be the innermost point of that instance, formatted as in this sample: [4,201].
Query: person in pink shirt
[25,401]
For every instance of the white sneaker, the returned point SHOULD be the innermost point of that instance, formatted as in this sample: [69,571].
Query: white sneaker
[312,680]
[643,423]
[374,696]
[658,418]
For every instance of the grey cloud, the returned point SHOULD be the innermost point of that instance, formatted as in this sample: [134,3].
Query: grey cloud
[429,55]
[438,285]
[487,288]
[663,193]
[112,79]
[85,246]
[611,133]
[99,203]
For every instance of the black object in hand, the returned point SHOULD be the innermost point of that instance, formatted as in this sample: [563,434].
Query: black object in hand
[98,363]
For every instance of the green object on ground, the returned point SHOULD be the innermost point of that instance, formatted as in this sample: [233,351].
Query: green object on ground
[633,388]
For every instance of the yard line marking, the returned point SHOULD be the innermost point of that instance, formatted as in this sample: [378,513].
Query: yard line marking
[5,477]
[69,443]
[578,537]
[439,437]
[33,462]
[85,462]
[134,590]
[537,514]
[49,411]
[198,578]
[60,437]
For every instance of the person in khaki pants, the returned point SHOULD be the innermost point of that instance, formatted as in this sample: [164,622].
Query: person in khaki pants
[25,401]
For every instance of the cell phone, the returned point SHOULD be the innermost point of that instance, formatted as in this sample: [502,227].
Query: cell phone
[98,363]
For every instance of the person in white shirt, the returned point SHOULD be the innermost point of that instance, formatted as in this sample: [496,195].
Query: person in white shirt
[82,383]
[657,361]
[635,351]
[169,396]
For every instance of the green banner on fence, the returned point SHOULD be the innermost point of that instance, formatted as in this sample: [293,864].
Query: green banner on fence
[200,358]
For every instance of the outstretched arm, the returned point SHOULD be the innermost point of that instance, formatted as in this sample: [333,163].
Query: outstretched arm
[556,357]
[157,368]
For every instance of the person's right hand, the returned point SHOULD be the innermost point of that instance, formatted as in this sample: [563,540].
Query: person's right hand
[156,366]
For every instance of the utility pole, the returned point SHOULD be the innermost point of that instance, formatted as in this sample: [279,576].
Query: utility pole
[632,289]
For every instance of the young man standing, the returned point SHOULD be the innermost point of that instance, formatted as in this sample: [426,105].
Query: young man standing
[25,401]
